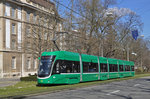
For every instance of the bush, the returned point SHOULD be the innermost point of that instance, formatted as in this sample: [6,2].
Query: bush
[29,78]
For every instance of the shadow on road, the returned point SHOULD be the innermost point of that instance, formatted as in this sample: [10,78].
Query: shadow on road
[17,97]
[49,85]
[148,80]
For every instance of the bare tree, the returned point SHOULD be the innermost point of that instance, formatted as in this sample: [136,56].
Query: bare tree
[39,34]
[103,31]
[92,22]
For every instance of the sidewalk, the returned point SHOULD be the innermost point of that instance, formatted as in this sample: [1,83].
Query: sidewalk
[8,81]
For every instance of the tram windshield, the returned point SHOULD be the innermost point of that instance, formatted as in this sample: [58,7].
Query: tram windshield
[45,65]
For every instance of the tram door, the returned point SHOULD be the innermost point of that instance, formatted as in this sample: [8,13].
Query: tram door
[104,72]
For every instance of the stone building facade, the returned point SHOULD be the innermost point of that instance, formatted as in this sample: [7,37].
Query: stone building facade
[15,15]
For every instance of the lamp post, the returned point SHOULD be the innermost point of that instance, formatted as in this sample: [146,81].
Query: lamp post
[107,15]
[141,57]
[133,53]
[128,52]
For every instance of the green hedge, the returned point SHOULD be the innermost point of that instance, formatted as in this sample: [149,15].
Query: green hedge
[29,78]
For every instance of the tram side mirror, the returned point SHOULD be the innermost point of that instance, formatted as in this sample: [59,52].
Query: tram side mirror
[39,58]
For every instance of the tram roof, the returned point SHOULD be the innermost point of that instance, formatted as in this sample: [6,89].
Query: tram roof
[65,55]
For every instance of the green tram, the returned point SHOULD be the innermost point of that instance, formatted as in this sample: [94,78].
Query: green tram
[62,67]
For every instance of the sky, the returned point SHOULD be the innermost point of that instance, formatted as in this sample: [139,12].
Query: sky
[140,7]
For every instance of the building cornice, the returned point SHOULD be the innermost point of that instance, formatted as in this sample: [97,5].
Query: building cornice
[34,8]
[12,51]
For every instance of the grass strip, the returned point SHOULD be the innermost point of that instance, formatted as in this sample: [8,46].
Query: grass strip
[23,89]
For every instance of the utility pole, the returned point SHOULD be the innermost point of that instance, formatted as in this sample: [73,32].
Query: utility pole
[128,52]
[141,64]
[102,46]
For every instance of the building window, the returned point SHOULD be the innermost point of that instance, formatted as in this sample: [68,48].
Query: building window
[13,63]
[45,22]
[34,63]
[28,44]
[28,30]
[45,36]
[27,16]
[40,20]
[60,27]
[13,44]
[13,28]
[28,63]
[7,9]
[13,13]
[34,18]
[19,12]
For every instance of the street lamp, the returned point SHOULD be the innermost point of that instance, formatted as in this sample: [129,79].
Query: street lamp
[141,35]
[107,15]
[132,52]
[141,57]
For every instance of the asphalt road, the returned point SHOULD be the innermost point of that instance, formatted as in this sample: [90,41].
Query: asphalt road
[128,89]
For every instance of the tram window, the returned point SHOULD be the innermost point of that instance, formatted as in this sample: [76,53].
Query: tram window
[103,67]
[110,68]
[132,68]
[64,66]
[127,68]
[59,67]
[86,67]
[76,67]
[121,68]
[90,67]
[113,68]
[68,65]
[56,69]
[93,67]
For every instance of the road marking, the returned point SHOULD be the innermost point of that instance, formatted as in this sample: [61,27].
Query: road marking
[136,85]
[113,92]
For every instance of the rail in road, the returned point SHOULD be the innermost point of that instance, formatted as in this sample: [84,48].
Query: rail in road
[127,89]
